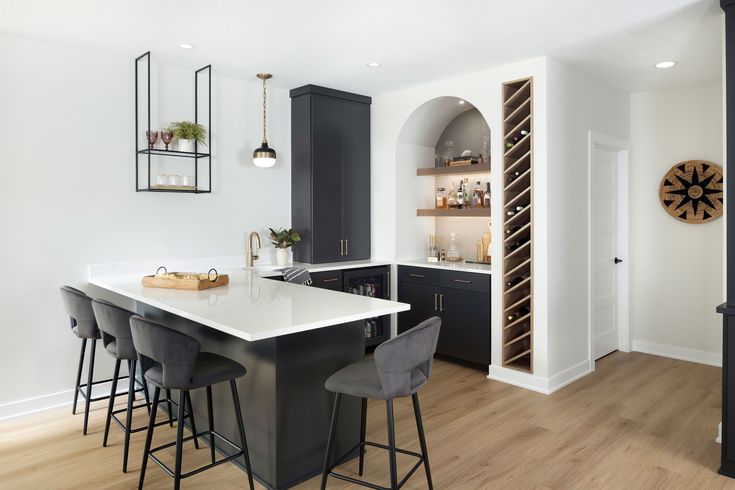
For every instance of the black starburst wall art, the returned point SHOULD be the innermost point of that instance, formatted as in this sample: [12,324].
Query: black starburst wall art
[692,191]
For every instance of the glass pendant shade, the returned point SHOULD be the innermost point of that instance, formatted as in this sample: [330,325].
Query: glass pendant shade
[264,156]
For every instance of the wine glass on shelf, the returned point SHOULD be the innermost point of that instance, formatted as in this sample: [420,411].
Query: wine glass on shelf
[152,137]
[166,136]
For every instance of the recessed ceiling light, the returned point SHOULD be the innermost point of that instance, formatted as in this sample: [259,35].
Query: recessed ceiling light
[665,64]
[461,102]
[373,64]
[186,46]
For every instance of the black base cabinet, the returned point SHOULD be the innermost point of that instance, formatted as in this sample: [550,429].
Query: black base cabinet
[460,299]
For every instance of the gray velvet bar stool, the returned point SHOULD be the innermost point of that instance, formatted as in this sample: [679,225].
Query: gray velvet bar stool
[114,324]
[400,367]
[172,360]
[84,325]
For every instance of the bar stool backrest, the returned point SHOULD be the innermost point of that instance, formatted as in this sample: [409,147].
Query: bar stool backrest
[159,346]
[114,324]
[398,358]
[79,308]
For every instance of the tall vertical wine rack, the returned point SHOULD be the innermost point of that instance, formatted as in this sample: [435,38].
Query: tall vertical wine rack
[518,224]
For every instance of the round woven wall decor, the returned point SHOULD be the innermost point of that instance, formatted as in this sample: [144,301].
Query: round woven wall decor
[692,191]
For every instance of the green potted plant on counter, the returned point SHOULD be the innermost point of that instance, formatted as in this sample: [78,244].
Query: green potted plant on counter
[186,132]
[283,239]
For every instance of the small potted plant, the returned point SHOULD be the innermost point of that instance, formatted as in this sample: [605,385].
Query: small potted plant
[283,239]
[186,132]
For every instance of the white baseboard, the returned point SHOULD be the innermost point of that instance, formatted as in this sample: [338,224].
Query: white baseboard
[570,375]
[676,352]
[540,384]
[18,408]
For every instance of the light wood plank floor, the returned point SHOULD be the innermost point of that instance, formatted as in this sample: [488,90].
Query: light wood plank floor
[639,421]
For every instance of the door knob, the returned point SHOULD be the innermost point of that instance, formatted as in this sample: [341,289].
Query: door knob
[617,260]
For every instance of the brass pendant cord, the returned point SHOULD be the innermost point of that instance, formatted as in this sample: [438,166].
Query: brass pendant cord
[265,140]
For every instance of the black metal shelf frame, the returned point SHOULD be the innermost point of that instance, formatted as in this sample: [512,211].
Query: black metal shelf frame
[148,152]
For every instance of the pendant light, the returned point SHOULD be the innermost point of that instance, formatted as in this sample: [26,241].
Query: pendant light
[265,156]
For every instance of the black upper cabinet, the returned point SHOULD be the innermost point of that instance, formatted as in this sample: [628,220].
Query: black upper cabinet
[330,174]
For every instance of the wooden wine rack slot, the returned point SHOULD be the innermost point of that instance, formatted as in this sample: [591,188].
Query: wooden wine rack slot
[519,267]
[518,298]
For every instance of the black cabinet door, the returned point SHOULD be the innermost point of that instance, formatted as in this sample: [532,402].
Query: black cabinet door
[356,180]
[465,331]
[327,178]
[424,301]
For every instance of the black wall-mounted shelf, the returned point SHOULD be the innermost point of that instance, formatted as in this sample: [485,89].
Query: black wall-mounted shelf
[147,153]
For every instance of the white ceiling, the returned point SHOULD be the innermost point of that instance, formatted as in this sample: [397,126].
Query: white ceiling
[328,42]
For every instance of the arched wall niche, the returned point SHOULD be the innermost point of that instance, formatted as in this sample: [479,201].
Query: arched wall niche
[416,148]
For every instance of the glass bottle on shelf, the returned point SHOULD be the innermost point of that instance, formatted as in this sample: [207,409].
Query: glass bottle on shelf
[452,199]
[477,196]
[441,198]
[460,196]
[486,197]
[448,145]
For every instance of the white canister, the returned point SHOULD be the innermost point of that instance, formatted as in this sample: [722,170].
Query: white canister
[185,145]
[282,257]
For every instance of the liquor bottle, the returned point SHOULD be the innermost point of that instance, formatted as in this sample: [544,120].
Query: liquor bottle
[460,196]
[518,313]
[452,200]
[486,197]
[477,196]
[514,210]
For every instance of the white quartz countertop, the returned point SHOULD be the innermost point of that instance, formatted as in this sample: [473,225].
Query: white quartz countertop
[451,266]
[251,306]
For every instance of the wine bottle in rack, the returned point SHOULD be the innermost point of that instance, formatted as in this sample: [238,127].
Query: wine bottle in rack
[515,210]
[514,280]
[512,229]
[520,135]
[509,145]
[515,245]
[510,178]
[518,313]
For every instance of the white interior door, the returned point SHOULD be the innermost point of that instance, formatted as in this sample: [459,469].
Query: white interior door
[604,249]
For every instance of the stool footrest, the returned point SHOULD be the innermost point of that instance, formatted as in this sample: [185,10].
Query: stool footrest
[143,427]
[105,397]
[202,468]
[366,483]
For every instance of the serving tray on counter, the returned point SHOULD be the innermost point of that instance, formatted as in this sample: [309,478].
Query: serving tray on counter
[191,281]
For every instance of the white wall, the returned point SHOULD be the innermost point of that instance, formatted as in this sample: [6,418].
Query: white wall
[676,268]
[578,103]
[67,195]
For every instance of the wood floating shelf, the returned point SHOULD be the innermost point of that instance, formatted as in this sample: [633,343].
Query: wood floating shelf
[518,226]
[477,168]
[464,212]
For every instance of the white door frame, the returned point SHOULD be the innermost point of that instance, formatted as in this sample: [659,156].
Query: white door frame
[622,147]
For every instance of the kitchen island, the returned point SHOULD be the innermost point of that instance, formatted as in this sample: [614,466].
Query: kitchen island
[290,338]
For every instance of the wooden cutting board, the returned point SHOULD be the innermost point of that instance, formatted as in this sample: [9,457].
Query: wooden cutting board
[191,281]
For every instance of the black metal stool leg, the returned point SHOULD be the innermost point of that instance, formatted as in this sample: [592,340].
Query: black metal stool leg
[149,436]
[330,439]
[129,414]
[210,414]
[191,418]
[89,385]
[391,445]
[422,438]
[179,439]
[110,406]
[79,376]
[241,429]
[145,393]
[170,410]
[363,425]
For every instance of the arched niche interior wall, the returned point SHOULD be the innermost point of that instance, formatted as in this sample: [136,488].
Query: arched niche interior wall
[421,140]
